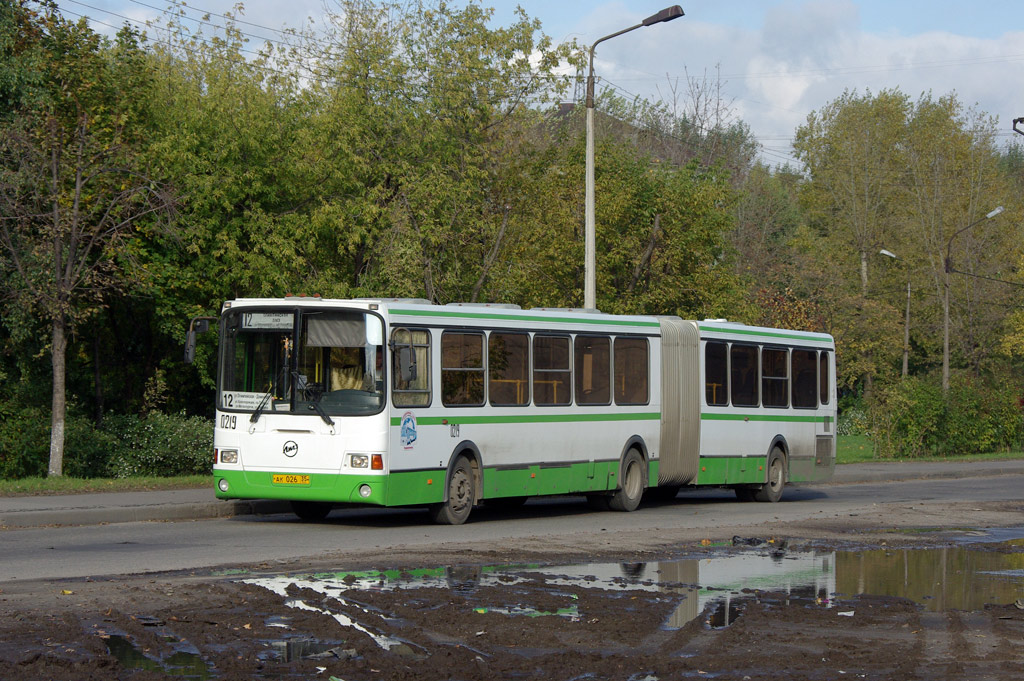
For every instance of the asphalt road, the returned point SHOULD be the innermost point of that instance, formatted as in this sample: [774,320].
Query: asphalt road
[138,547]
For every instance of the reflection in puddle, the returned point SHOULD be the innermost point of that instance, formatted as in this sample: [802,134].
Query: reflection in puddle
[959,577]
[182,663]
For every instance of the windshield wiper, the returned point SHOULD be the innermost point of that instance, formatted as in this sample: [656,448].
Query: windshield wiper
[314,404]
[261,406]
[266,398]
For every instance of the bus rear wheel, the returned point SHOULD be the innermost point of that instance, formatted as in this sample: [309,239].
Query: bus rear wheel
[771,491]
[631,488]
[454,510]
[311,511]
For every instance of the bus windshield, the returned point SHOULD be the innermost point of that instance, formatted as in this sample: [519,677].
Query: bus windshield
[302,362]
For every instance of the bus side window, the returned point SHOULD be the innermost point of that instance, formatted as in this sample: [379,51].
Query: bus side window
[743,375]
[413,389]
[552,375]
[508,365]
[823,377]
[775,377]
[632,371]
[805,379]
[716,374]
[593,369]
[462,369]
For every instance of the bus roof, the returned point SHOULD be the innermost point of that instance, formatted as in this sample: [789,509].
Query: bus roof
[484,313]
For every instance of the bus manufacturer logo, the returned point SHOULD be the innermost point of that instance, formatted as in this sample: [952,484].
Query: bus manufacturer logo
[290,448]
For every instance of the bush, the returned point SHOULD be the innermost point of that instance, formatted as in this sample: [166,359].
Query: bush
[913,418]
[853,420]
[87,449]
[24,442]
[906,418]
[124,446]
[160,445]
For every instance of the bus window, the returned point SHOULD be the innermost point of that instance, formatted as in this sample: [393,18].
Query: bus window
[508,365]
[632,369]
[414,391]
[593,370]
[823,377]
[716,373]
[462,369]
[551,371]
[774,378]
[805,379]
[743,375]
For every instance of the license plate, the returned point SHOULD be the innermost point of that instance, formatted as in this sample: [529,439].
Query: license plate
[283,479]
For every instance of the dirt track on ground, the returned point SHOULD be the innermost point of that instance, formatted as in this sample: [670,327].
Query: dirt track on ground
[467,620]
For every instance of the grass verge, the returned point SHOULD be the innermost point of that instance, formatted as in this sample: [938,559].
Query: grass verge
[68,485]
[860,449]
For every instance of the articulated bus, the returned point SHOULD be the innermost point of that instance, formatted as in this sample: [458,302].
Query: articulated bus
[393,402]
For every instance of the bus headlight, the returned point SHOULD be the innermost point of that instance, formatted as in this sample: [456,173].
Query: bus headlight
[222,484]
[364,491]
[229,456]
[359,461]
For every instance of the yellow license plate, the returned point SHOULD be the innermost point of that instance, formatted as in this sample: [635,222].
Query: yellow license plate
[282,479]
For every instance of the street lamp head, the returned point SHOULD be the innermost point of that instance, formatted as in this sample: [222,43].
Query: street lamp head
[888,254]
[667,14]
[995,212]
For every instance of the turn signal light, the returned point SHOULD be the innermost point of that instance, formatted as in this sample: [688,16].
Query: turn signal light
[377,462]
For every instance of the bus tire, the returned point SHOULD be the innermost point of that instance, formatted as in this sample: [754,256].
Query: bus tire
[311,511]
[461,494]
[771,491]
[631,484]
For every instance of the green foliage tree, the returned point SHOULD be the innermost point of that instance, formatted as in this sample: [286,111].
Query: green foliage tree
[74,192]
[886,172]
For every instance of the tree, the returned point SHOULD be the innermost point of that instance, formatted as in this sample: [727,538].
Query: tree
[954,180]
[72,190]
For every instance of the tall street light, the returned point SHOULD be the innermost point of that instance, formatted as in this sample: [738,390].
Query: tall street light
[590,258]
[906,321]
[945,298]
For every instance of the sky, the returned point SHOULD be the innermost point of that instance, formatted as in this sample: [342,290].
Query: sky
[775,61]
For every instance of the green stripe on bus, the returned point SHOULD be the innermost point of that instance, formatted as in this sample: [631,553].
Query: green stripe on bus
[776,418]
[766,334]
[529,418]
[582,319]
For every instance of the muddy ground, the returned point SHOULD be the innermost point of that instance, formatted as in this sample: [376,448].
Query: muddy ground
[490,612]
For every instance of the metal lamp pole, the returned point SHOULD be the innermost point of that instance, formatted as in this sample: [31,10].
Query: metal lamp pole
[945,297]
[906,321]
[590,257]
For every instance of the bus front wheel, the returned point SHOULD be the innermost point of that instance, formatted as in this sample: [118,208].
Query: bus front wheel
[454,510]
[771,491]
[631,484]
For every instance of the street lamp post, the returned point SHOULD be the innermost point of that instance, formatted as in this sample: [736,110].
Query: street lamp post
[948,267]
[906,320]
[590,256]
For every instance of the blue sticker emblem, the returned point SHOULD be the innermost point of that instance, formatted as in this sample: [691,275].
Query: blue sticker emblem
[408,434]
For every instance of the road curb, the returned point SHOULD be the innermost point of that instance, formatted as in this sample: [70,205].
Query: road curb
[75,516]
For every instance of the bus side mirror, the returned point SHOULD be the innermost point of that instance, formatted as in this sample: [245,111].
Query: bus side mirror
[406,364]
[195,327]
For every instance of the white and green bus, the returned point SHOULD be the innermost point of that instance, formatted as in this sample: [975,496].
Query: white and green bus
[405,403]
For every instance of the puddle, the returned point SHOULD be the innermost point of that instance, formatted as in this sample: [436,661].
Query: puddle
[964,577]
[179,664]
[299,649]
